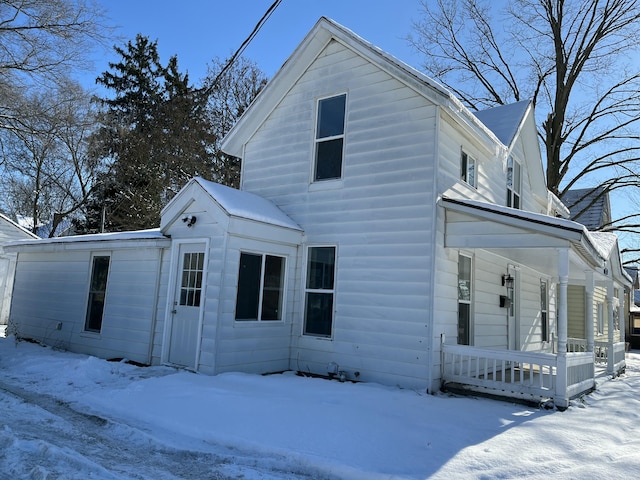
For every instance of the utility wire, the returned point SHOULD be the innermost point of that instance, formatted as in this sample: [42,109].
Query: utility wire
[244,45]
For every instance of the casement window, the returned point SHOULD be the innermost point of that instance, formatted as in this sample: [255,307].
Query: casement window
[260,287]
[329,142]
[514,182]
[464,299]
[319,291]
[97,292]
[544,311]
[468,169]
[191,284]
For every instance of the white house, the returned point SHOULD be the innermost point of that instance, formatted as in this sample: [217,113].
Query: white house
[382,232]
[9,232]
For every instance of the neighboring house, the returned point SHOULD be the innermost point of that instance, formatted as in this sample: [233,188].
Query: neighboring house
[9,232]
[589,206]
[382,232]
[632,329]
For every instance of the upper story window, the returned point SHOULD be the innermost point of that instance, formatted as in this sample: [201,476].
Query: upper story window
[329,141]
[468,169]
[514,182]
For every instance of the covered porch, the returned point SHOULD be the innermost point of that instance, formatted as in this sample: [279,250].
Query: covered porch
[559,367]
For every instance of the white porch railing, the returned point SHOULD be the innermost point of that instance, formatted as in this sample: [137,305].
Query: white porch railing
[601,351]
[515,373]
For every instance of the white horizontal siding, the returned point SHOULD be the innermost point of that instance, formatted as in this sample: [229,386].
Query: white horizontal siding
[379,214]
[53,287]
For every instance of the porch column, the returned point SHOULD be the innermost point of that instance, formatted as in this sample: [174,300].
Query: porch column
[610,356]
[561,398]
[588,311]
[621,314]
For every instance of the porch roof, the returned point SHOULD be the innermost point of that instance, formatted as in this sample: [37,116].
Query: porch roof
[526,236]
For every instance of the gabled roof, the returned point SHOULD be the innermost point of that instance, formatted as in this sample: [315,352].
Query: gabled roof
[10,230]
[241,204]
[588,206]
[324,31]
[505,120]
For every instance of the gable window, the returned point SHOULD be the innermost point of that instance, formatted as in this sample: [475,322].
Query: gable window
[319,291]
[514,182]
[329,143]
[468,169]
[464,299]
[544,311]
[97,291]
[260,287]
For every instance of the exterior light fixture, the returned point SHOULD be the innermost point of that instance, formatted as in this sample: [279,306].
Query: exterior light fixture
[189,220]
[507,280]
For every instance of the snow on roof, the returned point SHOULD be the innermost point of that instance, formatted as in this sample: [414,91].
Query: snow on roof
[504,120]
[239,203]
[151,234]
[588,206]
[17,226]
[604,242]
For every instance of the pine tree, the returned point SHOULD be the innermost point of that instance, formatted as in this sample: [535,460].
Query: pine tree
[154,134]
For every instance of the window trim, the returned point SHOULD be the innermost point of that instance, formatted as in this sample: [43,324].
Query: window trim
[90,291]
[514,189]
[263,261]
[545,326]
[318,140]
[466,160]
[465,302]
[331,291]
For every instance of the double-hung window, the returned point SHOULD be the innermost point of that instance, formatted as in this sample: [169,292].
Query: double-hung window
[468,169]
[260,287]
[97,292]
[329,142]
[544,311]
[514,182]
[319,291]
[464,299]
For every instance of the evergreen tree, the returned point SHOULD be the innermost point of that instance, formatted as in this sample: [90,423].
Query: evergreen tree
[154,134]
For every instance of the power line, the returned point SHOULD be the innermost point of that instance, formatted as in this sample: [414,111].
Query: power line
[244,45]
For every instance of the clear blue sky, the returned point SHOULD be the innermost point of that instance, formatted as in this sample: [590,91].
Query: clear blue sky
[199,30]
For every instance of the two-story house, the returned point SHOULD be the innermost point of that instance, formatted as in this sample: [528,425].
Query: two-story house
[382,232]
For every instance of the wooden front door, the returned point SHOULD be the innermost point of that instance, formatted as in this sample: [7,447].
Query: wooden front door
[187,302]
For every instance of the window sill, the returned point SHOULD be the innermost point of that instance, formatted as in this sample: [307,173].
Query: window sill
[326,185]
[255,323]
[95,335]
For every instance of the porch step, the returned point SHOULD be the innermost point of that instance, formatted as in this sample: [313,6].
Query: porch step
[502,395]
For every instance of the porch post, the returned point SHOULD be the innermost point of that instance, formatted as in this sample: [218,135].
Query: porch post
[610,356]
[561,398]
[588,312]
[621,314]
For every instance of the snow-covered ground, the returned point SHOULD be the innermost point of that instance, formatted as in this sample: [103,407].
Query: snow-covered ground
[69,416]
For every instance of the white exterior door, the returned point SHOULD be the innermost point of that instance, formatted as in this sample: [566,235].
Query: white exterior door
[187,302]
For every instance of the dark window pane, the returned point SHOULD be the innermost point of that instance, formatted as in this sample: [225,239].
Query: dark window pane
[331,116]
[273,287]
[320,270]
[99,275]
[98,287]
[319,314]
[463,166]
[329,159]
[464,317]
[248,286]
